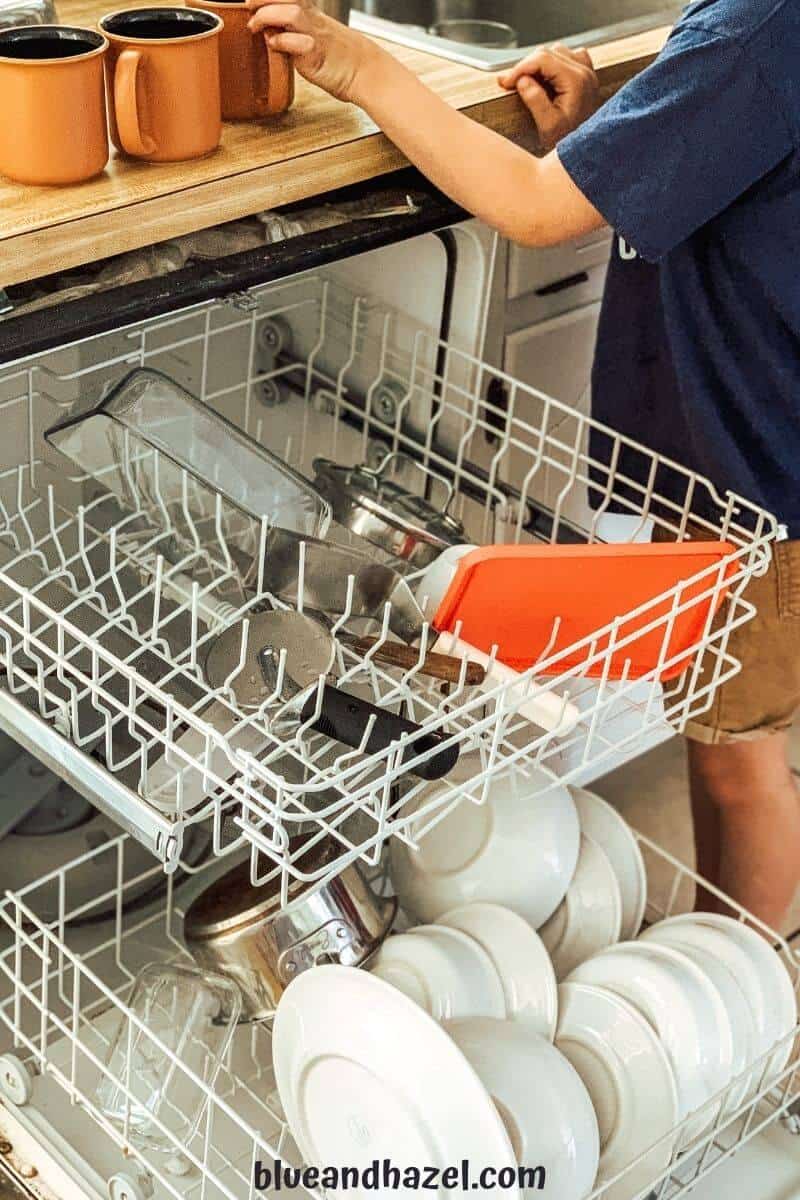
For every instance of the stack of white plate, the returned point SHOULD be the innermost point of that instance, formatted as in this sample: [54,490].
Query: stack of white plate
[364,1074]
[672,1033]
[607,897]
[458,1043]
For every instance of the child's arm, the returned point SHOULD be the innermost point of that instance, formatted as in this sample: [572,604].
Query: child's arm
[530,200]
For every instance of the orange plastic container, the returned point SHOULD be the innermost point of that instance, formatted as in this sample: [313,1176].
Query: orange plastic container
[510,596]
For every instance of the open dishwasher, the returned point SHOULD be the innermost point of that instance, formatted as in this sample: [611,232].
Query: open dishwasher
[341,362]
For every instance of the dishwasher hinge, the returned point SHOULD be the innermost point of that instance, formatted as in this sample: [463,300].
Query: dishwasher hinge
[243,301]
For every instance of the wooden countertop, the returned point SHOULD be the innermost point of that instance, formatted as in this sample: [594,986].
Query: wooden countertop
[319,145]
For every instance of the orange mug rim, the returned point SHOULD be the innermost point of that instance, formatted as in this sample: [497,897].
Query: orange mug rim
[131,40]
[224,5]
[59,62]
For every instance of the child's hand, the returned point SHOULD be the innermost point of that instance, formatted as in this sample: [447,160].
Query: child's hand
[325,52]
[559,88]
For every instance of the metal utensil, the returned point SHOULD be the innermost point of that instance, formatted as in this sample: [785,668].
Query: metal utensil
[241,930]
[282,654]
[383,512]
[318,573]
[409,209]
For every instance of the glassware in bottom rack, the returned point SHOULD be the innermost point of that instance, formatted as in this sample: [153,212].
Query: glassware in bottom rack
[66,1010]
[167,1052]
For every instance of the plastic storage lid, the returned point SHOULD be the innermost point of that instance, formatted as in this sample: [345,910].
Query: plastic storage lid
[511,596]
[147,411]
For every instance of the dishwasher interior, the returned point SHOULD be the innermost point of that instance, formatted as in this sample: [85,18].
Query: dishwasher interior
[116,703]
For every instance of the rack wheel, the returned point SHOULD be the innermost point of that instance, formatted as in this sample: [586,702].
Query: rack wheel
[271,393]
[125,1187]
[16,1081]
[275,336]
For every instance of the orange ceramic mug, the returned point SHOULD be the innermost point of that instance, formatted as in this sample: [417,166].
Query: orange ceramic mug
[53,126]
[256,81]
[162,77]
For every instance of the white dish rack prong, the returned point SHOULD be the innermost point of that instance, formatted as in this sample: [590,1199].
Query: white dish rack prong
[63,996]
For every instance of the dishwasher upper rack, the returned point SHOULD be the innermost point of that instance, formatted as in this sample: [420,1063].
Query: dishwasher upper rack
[64,986]
[309,368]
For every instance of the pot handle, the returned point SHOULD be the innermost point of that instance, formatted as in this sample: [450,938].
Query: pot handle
[277,87]
[126,105]
[428,472]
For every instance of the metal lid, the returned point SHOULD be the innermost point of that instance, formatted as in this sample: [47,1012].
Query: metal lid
[390,500]
[232,902]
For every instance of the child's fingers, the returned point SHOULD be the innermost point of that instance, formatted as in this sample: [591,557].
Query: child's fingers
[279,16]
[549,64]
[291,43]
[534,97]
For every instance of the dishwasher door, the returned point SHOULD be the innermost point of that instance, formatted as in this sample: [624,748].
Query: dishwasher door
[309,357]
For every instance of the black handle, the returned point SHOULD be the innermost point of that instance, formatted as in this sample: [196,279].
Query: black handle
[344,718]
[562,285]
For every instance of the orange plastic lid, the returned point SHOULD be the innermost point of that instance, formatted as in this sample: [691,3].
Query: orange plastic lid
[510,596]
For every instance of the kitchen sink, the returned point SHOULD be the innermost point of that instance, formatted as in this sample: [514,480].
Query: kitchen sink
[491,34]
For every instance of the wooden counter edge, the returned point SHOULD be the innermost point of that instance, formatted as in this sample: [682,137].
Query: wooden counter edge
[75,242]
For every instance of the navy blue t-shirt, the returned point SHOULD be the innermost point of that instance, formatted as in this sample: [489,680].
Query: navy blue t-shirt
[696,165]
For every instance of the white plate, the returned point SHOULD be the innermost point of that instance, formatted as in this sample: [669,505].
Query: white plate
[627,1073]
[443,970]
[519,848]
[589,918]
[547,1108]
[684,1008]
[768,985]
[520,959]
[364,1073]
[702,944]
[611,831]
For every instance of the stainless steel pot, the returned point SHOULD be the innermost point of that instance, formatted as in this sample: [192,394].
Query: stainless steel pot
[381,511]
[243,932]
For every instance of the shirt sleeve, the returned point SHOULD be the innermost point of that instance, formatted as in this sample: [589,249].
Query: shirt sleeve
[679,143]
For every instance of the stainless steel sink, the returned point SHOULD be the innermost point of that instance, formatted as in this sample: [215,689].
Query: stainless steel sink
[491,34]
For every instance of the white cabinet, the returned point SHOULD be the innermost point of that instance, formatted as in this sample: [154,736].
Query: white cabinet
[537,270]
[555,356]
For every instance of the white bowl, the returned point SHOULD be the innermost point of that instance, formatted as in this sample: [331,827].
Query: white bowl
[702,945]
[443,970]
[541,1099]
[687,1012]
[589,918]
[519,849]
[628,1076]
[604,825]
[520,959]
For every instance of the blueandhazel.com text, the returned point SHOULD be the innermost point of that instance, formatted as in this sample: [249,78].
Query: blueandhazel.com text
[382,1175]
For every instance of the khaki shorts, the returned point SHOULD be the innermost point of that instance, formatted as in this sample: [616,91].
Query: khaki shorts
[765,695]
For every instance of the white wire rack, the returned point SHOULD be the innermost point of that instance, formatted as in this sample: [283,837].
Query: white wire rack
[104,628]
[64,987]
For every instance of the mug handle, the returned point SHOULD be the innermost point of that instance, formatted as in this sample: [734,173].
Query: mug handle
[278,85]
[126,74]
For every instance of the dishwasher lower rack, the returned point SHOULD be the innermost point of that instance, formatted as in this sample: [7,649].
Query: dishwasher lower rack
[66,963]
[103,629]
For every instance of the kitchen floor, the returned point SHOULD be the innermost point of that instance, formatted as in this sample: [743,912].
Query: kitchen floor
[652,793]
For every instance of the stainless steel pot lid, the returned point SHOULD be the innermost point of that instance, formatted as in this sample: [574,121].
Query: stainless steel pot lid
[310,651]
[232,902]
[388,499]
